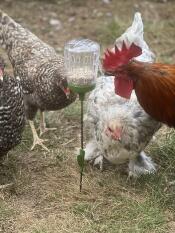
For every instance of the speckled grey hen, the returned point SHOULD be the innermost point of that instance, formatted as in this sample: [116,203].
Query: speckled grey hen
[119,129]
[12,115]
[40,69]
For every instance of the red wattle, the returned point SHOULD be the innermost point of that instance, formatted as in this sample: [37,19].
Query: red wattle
[123,87]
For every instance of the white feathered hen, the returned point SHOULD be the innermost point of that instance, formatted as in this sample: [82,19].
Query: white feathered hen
[120,129]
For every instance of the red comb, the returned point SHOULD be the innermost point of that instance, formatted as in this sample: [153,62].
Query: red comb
[120,57]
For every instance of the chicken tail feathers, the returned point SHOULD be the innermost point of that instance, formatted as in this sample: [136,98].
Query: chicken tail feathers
[6,27]
[10,32]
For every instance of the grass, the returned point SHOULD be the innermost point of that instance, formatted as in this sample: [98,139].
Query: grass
[73,110]
[122,214]
[7,216]
[108,203]
[45,197]
[5,211]
[107,34]
[165,50]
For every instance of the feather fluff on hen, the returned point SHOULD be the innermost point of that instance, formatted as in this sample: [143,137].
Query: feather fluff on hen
[134,34]
[138,127]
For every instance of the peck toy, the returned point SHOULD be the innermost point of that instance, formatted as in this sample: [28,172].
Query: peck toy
[81,63]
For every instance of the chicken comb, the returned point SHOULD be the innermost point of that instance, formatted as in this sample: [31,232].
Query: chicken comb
[112,60]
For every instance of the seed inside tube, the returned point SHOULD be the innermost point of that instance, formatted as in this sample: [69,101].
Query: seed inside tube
[81,76]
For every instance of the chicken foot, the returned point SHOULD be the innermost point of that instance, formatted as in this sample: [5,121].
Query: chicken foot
[42,127]
[36,139]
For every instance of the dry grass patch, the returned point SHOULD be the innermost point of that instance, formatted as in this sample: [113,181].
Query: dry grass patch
[45,197]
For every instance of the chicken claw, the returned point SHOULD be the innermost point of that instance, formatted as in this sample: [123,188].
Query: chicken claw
[36,139]
[42,127]
[39,141]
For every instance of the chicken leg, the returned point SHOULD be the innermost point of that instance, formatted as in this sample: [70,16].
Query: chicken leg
[36,139]
[42,127]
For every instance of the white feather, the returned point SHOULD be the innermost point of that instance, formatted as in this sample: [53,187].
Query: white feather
[138,128]
[134,34]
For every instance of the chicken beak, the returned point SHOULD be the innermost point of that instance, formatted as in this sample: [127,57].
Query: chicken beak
[67,92]
[108,73]
[116,135]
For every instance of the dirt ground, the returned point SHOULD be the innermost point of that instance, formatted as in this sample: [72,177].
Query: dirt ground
[44,197]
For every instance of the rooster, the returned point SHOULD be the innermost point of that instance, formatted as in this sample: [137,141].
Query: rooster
[12,115]
[119,129]
[40,69]
[154,83]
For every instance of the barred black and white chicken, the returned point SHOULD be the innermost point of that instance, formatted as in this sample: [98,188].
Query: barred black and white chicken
[121,129]
[12,115]
[40,69]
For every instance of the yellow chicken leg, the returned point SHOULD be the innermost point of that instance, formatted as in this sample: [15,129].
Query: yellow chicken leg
[36,139]
[43,128]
